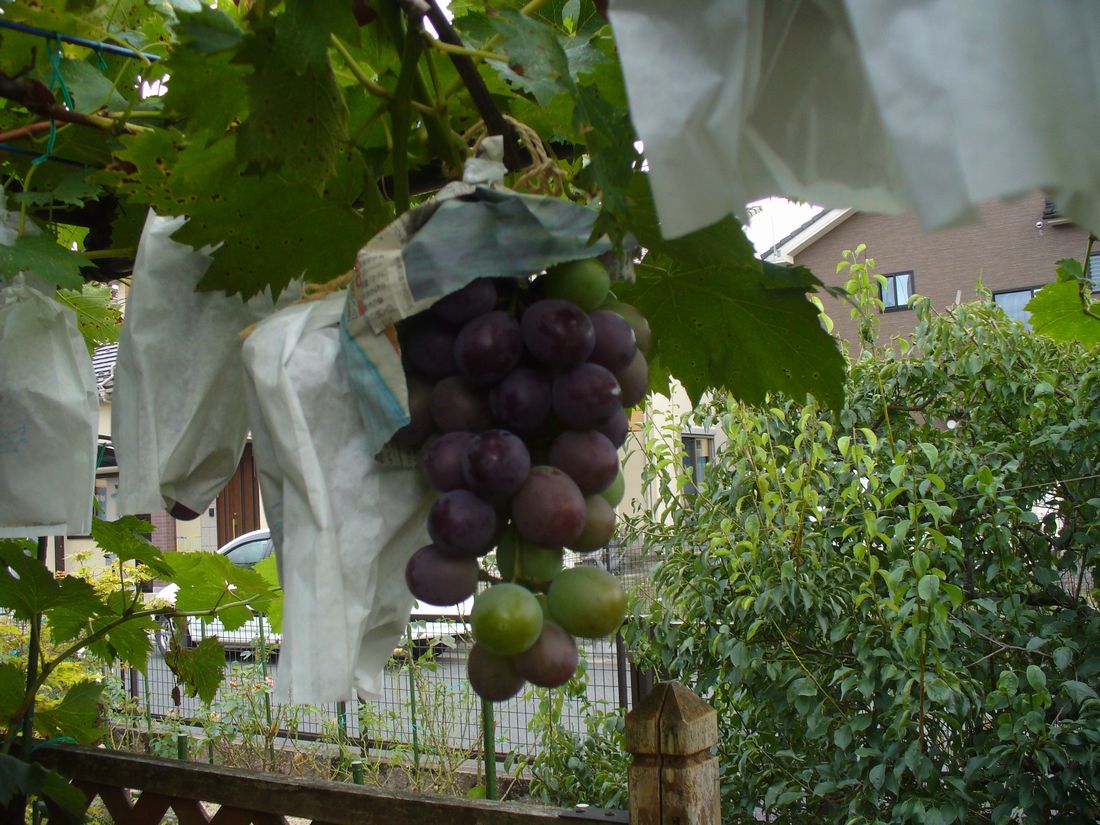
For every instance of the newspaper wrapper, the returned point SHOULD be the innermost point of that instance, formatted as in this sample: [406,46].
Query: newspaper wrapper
[343,525]
[469,231]
[928,105]
[50,417]
[178,416]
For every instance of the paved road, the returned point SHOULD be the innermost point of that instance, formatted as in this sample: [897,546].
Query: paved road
[445,705]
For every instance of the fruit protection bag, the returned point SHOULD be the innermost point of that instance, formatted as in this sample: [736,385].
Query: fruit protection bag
[49,416]
[471,230]
[343,525]
[178,413]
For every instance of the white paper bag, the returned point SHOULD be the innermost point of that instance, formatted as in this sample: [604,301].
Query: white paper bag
[178,414]
[343,525]
[49,414]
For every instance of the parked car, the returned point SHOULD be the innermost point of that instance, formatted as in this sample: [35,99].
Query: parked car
[430,628]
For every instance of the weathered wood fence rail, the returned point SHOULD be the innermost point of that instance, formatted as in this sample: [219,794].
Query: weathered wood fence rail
[674,781]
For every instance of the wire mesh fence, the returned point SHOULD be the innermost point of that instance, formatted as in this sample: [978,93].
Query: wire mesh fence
[426,702]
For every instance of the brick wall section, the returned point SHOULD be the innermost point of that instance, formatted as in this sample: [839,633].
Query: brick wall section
[1004,251]
[164,530]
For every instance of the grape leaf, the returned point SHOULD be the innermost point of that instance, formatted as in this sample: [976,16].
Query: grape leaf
[70,189]
[268,569]
[298,116]
[199,669]
[97,315]
[12,684]
[76,715]
[30,778]
[89,88]
[1065,310]
[745,337]
[26,586]
[193,76]
[537,62]
[124,537]
[73,608]
[42,256]
[130,641]
[209,31]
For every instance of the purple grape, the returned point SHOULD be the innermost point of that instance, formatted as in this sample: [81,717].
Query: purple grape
[585,396]
[492,677]
[615,345]
[442,461]
[587,457]
[420,425]
[549,509]
[436,578]
[557,332]
[476,298]
[488,347]
[456,405]
[634,380]
[429,349]
[495,463]
[521,402]
[461,524]
[616,428]
[551,661]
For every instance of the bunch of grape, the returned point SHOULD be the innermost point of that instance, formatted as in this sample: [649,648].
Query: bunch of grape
[518,393]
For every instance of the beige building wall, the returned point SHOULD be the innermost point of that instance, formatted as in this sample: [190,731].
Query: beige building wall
[1005,251]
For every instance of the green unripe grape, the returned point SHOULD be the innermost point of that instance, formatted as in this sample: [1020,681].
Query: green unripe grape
[587,601]
[617,489]
[599,525]
[535,564]
[584,283]
[643,337]
[506,619]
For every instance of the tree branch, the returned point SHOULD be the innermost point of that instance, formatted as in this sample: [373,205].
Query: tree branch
[36,98]
[475,84]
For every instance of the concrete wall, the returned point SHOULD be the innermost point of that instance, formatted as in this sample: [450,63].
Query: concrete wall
[1003,251]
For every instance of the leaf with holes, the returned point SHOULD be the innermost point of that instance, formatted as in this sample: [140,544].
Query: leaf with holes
[719,321]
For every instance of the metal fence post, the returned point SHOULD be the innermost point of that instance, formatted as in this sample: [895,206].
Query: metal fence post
[148,713]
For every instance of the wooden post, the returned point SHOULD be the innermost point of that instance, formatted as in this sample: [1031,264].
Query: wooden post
[674,777]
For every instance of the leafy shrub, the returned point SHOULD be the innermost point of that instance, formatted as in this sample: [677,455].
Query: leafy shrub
[893,608]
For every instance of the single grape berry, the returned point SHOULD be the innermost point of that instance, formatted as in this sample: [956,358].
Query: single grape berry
[548,510]
[506,619]
[587,601]
[584,283]
[495,463]
[461,524]
[643,337]
[435,578]
[615,346]
[429,348]
[492,677]
[420,425]
[599,525]
[519,560]
[557,333]
[551,661]
[616,427]
[587,457]
[585,396]
[476,298]
[613,495]
[458,405]
[488,347]
[441,461]
[634,380]
[521,401]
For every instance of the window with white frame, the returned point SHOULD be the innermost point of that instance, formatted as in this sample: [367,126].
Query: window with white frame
[698,453]
[896,291]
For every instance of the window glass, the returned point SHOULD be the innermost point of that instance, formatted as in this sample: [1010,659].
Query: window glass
[698,452]
[1013,303]
[1094,271]
[898,290]
[250,553]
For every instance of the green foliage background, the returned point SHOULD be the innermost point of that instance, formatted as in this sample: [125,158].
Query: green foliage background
[895,609]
